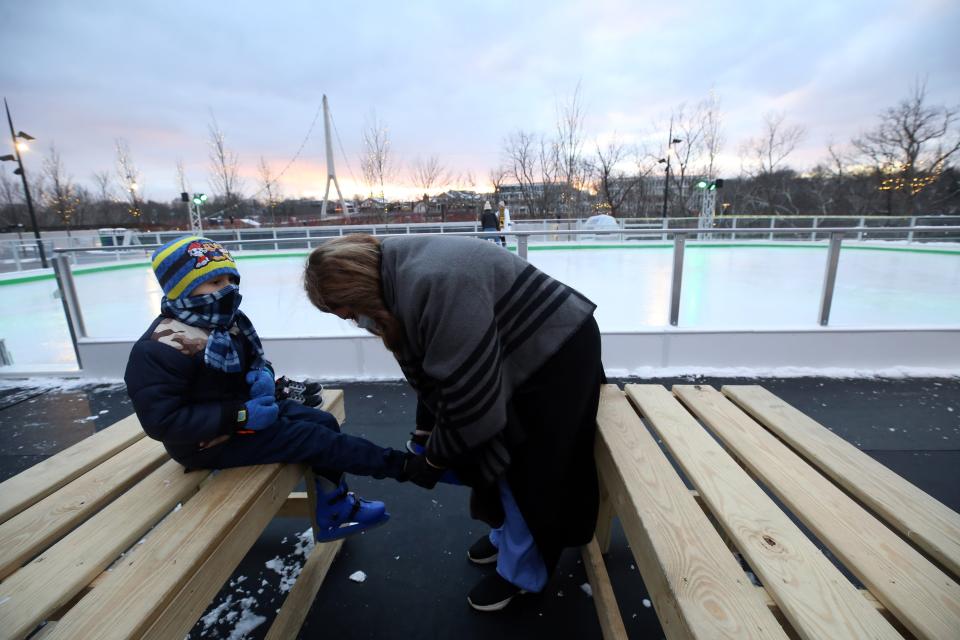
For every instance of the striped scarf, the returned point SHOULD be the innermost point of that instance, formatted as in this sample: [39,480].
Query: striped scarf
[219,312]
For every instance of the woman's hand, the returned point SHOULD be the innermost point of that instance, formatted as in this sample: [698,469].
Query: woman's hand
[420,471]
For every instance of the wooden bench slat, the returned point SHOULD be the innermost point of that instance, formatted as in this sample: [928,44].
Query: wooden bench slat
[32,530]
[813,595]
[911,587]
[929,523]
[42,479]
[48,582]
[697,587]
[171,579]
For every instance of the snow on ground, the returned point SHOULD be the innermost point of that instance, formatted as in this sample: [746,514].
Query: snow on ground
[241,610]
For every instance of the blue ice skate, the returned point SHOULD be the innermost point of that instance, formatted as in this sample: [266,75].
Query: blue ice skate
[340,513]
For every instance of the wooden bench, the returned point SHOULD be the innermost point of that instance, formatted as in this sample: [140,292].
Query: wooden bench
[70,526]
[903,545]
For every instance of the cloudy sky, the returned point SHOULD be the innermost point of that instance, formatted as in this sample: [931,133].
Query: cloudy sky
[450,79]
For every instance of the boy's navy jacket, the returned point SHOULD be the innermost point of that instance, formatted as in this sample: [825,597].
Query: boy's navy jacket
[178,399]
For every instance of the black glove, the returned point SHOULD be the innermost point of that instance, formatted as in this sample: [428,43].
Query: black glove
[417,470]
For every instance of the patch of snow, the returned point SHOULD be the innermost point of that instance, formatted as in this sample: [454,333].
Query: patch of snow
[358,576]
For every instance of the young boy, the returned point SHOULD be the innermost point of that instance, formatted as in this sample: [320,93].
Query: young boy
[200,384]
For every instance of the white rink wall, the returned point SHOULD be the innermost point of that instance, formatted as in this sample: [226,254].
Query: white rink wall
[750,307]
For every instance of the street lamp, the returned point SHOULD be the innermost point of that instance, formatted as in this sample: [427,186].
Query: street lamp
[666,182]
[17,147]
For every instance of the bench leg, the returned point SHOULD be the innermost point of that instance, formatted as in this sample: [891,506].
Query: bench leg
[310,481]
[297,604]
[604,519]
[608,612]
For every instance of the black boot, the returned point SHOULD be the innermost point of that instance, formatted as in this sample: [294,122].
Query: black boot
[493,593]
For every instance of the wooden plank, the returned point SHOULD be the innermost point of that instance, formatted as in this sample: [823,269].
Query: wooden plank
[608,612]
[697,588]
[605,515]
[814,596]
[38,589]
[32,530]
[911,587]
[333,403]
[40,480]
[297,604]
[871,600]
[295,506]
[930,524]
[166,585]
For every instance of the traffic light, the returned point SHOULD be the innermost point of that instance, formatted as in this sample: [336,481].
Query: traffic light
[702,184]
[199,198]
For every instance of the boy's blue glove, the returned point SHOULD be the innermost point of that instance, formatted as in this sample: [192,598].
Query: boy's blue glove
[261,382]
[262,412]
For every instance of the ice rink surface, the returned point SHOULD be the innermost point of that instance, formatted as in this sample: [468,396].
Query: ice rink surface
[724,287]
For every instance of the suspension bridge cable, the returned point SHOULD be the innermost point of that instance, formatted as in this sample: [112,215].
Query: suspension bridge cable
[342,151]
[283,171]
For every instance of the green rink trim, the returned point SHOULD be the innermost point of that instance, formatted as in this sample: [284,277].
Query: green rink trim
[535,247]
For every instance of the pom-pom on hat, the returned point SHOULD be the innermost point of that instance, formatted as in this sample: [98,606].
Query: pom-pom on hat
[183,264]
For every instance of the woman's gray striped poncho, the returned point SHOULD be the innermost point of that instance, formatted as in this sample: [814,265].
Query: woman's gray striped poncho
[478,321]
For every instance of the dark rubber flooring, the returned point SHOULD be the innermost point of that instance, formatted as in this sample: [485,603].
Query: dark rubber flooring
[417,575]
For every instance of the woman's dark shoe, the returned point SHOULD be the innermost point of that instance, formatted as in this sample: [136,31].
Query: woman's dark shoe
[493,593]
[483,552]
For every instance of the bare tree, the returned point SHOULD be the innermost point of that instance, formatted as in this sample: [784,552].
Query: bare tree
[911,145]
[567,155]
[764,160]
[428,174]
[129,176]
[103,196]
[467,179]
[377,163]
[103,182]
[10,199]
[60,195]
[648,203]
[768,152]
[521,163]
[182,177]
[270,189]
[496,177]
[709,110]
[613,185]
[689,127]
[224,166]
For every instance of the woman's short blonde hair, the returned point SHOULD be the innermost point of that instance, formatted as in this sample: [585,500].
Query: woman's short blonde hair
[344,273]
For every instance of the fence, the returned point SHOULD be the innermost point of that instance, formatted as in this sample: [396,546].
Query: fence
[21,253]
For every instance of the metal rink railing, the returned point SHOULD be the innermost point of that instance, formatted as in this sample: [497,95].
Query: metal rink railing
[521,239]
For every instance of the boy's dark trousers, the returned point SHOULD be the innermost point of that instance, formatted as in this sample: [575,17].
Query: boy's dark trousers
[301,434]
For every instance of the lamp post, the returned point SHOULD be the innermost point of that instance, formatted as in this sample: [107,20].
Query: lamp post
[666,183]
[23,176]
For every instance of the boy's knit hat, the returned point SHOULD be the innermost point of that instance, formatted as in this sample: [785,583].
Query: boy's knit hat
[183,264]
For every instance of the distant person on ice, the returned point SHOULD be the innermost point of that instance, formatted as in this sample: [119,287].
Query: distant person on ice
[505,361]
[200,383]
[489,222]
[503,221]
